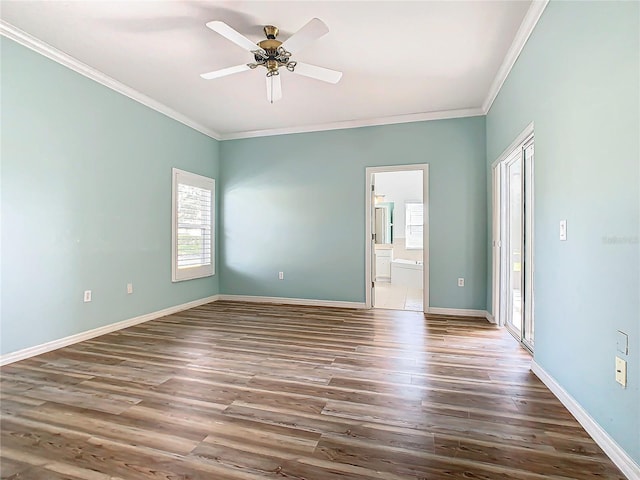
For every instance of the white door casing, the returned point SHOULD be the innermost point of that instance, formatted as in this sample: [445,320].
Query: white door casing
[369,224]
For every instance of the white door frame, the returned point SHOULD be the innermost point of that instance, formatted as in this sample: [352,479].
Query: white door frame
[528,239]
[497,169]
[369,231]
[496,244]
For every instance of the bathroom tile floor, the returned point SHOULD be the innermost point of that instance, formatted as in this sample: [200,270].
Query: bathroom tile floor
[395,297]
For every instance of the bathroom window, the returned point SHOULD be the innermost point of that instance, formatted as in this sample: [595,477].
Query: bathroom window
[414,225]
[192,232]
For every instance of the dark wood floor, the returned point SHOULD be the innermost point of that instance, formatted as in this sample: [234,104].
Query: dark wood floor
[243,391]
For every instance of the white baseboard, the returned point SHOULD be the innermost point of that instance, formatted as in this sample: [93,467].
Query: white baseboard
[96,332]
[292,301]
[614,451]
[460,312]
[490,318]
[340,304]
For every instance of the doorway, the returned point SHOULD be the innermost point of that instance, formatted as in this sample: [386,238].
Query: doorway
[513,267]
[397,237]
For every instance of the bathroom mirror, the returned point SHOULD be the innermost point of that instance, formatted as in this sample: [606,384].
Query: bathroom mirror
[383,223]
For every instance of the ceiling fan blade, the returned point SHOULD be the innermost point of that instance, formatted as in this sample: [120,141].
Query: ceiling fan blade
[232,35]
[313,30]
[224,72]
[274,88]
[319,73]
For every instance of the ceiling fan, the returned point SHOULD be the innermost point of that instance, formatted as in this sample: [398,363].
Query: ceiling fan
[273,54]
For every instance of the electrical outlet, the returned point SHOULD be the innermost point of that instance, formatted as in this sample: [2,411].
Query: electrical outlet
[87,295]
[129,288]
[461,282]
[621,371]
[563,230]
[280,275]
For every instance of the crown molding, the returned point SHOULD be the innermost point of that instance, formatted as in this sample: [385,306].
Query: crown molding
[527,26]
[369,122]
[524,32]
[37,45]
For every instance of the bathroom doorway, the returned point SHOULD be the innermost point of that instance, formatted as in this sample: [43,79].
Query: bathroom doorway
[397,236]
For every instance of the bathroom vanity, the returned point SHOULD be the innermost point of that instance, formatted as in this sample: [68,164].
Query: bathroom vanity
[384,257]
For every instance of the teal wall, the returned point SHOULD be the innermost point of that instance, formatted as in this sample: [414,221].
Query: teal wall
[578,80]
[86,202]
[296,203]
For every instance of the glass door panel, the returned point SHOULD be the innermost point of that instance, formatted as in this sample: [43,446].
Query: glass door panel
[514,246]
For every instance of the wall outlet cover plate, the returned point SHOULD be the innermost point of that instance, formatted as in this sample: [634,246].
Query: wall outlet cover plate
[621,371]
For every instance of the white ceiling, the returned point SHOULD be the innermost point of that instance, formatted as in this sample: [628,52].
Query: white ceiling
[401,60]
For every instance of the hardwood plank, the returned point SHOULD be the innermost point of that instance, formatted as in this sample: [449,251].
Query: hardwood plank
[241,391]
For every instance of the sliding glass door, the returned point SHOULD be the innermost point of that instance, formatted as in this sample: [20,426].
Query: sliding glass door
[515,245]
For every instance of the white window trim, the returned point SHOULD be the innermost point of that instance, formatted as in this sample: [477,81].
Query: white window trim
[178,275]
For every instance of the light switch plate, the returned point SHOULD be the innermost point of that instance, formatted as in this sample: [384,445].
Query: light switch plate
[621,371]
[563,230]
[622,342]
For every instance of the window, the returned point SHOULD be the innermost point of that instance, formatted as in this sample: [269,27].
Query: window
[192,226]
[414,226]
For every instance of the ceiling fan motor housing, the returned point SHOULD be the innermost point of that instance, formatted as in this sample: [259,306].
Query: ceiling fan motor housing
[275,55]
